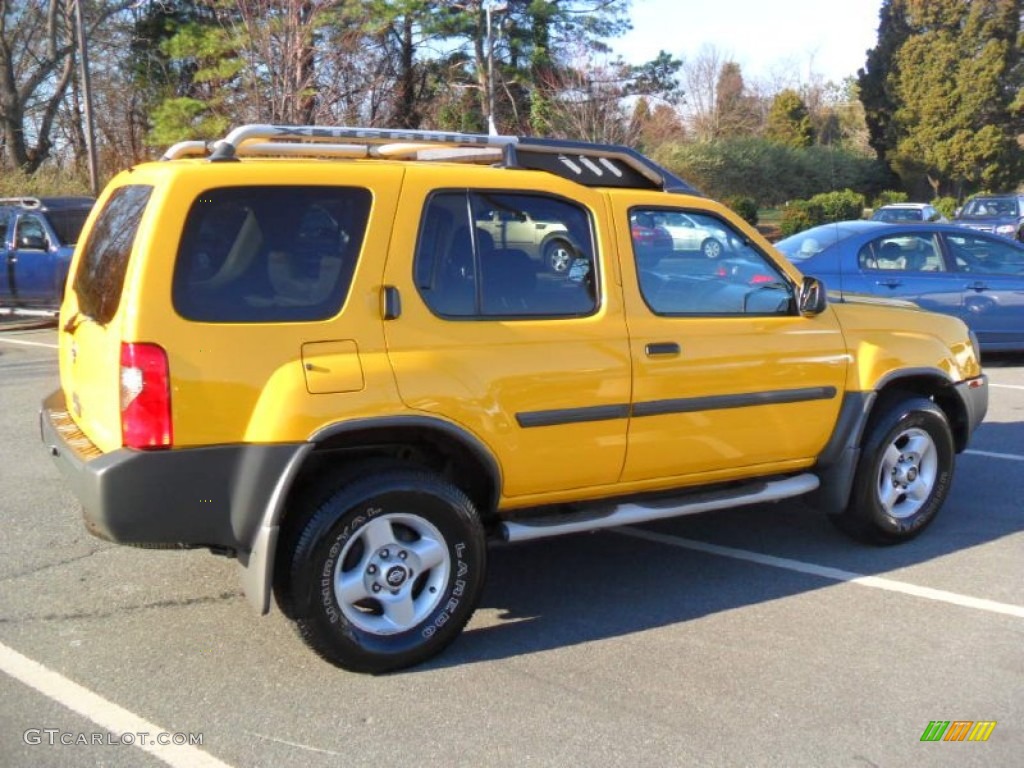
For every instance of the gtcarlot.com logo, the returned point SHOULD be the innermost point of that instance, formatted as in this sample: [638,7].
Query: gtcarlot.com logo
[55,737]
[958,730]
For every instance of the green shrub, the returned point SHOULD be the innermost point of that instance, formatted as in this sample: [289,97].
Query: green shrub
[888,197]
[744,206]
[828,206]
[945,205]
[839,206]
[799,215]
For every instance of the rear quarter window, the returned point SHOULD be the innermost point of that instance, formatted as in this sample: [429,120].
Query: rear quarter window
[104,262]
[269,253]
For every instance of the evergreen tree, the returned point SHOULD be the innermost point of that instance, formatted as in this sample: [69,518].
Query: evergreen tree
[873,81]
[950,84]
[734,109]
[789,122]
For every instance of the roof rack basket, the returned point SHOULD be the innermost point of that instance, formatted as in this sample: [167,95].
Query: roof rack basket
[593,165]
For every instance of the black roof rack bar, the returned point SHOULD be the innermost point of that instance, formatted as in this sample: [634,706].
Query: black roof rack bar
[597,165]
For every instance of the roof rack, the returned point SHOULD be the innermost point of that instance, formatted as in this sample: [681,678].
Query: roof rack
[24,202]
[593,165]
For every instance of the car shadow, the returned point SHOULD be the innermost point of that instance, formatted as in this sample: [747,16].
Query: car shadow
[566,591]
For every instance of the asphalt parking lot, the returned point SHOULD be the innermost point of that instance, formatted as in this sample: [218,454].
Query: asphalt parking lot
[753,637]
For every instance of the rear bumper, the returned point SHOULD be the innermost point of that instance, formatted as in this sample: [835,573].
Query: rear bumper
[215,496]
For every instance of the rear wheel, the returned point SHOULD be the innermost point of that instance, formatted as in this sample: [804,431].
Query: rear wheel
[904,474]
[711,248]
[386,572]
[558,255]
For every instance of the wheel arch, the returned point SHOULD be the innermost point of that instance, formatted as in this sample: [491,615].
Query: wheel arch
[420,441]
[837,463]
[423,441]
[933,385]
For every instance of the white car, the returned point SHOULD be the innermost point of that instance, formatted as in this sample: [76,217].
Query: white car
[695,233]
[902,213]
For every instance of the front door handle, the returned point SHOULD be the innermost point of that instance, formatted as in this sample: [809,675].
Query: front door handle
[977,285]
[890,282]
[659,348]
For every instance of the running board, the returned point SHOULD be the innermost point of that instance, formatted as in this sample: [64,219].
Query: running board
[645,512]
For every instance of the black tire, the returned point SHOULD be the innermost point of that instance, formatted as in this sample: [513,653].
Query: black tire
[559,255]
[904,473]
[409,549]
[711,248]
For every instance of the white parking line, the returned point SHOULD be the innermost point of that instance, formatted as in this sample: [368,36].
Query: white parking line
[994,455]
[29,343]
[836,574]
[105,714]
[1006,386]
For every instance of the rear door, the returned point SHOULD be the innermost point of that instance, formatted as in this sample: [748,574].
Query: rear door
[532,362]
[990,271]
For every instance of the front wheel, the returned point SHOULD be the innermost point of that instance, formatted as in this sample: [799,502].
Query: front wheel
[386,573]
[904,474]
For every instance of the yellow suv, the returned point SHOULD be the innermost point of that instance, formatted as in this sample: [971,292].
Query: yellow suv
[304,348]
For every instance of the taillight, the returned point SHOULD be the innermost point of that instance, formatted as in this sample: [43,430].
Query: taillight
[145,397]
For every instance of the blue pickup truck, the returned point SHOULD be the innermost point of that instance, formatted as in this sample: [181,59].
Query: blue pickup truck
[37,238]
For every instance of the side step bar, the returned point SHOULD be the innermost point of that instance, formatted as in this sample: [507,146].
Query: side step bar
[644,512]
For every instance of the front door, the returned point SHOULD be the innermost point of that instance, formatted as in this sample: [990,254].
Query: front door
[729,379]
[34,273]
[906,264]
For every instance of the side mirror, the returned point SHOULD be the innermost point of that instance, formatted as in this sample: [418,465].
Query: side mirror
[812,300]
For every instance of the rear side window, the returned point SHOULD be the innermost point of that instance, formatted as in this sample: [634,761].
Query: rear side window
[269,254]
[505,255]
[68,224]
[104,261]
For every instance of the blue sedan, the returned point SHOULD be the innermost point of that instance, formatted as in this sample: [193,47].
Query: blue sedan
[941,267]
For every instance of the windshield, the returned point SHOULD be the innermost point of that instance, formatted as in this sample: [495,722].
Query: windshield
[803,245]
[988,207]
[898,214]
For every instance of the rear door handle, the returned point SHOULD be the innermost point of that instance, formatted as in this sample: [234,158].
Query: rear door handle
[889,282]
[391,303]
[659,348]
[977,285]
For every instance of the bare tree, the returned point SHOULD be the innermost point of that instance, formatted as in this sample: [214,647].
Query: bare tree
[36,45]
[37,62]
[701,76]
[585,101]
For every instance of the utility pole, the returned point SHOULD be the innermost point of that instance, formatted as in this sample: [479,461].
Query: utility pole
[491,7]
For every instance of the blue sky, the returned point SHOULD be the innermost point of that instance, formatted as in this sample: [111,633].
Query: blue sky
[765,37]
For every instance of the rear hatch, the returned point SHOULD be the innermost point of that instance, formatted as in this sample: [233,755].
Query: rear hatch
[90,324]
